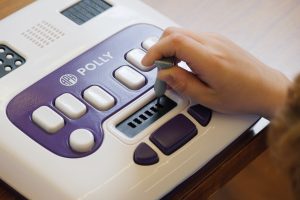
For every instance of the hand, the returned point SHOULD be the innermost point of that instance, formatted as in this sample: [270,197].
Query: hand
[223,76]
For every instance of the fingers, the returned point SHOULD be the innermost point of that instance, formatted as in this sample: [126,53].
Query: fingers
[204,38]
[168,47]
[180,46]
[186,83]
[174,30]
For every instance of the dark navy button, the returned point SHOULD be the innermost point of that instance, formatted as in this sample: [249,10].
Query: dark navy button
[145,155]
[201,114]
[174,134]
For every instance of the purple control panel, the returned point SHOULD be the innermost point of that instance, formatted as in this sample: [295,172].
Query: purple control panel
[68,79]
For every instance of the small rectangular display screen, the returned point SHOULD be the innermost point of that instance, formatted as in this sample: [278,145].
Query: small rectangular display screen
[85,10]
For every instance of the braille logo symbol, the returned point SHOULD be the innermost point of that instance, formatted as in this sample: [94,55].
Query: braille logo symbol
[68,80]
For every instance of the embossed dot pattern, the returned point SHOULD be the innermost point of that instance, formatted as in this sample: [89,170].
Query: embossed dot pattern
[9,60]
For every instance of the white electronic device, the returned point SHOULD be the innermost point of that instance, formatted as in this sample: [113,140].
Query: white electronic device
[78,114]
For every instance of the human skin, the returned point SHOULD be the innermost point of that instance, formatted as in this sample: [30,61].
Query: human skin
[223,76]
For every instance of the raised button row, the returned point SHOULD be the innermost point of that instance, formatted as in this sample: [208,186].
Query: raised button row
[129,77]
[81,140]
[72,107]
[135,56]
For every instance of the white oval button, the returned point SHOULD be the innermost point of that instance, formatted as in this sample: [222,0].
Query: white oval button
[81,140]
[47,119]
[135,57]
[149,42]
[130,78]
[70,106]
[99,98]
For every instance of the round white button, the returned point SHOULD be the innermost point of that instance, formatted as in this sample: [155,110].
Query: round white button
[18,62]
[9,56]
[7,68]
[81,140]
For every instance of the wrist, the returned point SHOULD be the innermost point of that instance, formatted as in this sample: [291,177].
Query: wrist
[276,95]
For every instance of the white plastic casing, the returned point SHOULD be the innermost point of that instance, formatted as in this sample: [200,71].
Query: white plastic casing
[110,172]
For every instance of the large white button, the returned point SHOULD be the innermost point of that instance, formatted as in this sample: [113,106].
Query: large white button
[149,42]
[135,57]
[70,106]
[47,119]
[130,78]
[81,140]
[98,98]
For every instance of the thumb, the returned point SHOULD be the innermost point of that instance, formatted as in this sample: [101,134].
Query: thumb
[186,83]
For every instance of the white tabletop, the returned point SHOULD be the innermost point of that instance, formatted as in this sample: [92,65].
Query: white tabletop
[269,29]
